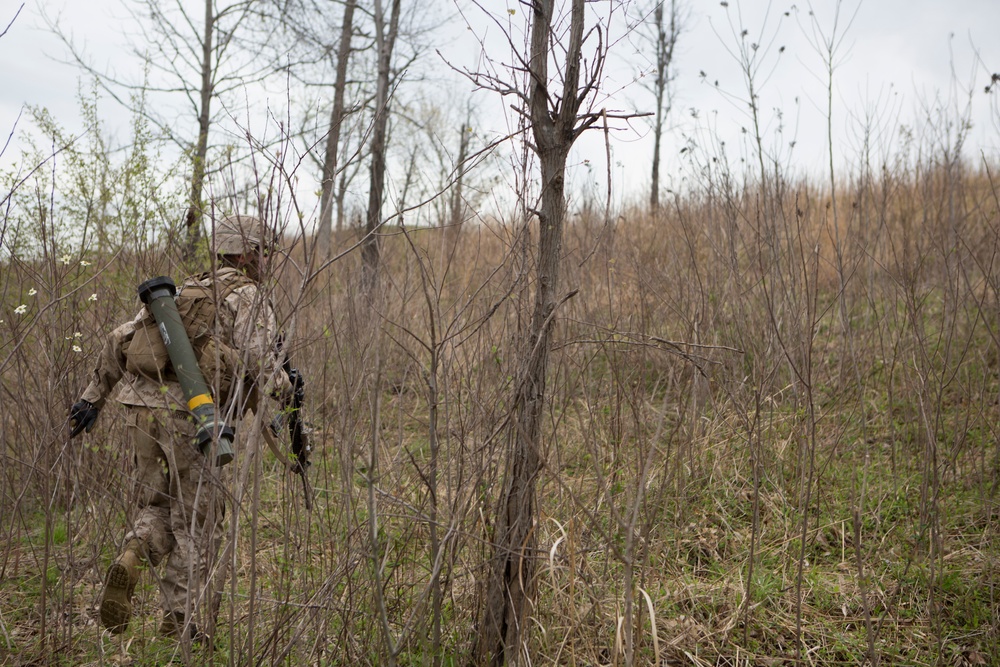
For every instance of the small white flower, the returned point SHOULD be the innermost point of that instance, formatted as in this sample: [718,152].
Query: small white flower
[77,348]
[65,259]
[21,310]
[92,297]
[78,335]
[32,292]
[84,262]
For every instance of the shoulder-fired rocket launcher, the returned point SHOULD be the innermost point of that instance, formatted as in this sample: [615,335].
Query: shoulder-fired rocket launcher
[158,296]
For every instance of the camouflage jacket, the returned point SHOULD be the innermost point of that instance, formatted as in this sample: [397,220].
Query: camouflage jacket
[247,324]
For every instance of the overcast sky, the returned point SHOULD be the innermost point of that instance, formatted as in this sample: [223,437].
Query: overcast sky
[897,58]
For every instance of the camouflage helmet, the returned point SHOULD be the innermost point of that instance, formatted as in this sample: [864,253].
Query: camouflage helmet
[241,235]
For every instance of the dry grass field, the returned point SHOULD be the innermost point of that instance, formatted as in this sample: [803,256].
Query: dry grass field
[771,437]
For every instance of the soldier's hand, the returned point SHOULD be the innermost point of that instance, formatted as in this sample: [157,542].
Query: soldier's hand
[82,416]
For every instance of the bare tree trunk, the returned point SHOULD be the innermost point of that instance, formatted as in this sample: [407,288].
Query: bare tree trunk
[665,41]
[457,204]
[654,188]
[333,137]
[385,42]
[340,197]
[659,85]
[504,629]
[192,222]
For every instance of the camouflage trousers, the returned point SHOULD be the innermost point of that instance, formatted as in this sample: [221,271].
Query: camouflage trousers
[181,507]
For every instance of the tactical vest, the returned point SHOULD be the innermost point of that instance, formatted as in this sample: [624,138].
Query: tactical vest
[146,355]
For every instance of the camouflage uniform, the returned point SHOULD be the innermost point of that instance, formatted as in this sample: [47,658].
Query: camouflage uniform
[181,499]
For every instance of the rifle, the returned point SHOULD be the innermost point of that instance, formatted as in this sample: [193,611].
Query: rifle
[297,435]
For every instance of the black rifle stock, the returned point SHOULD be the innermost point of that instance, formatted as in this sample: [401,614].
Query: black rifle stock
[297,435]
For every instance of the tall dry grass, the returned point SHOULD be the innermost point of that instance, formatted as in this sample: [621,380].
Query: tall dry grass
[771,435]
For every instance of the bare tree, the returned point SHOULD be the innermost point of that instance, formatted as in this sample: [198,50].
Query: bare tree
[552,107]
[446,168]
[179,48]
[457,204]
[310,24]
[198,159]
[333,137]
[385,40]
[661,30]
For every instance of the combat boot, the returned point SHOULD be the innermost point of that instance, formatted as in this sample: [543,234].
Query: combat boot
[173,623]
[123,575]
[173,626]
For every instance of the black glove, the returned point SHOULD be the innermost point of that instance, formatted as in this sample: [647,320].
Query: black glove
[82,416]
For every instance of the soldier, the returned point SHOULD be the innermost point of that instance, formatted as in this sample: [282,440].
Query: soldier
[181,502]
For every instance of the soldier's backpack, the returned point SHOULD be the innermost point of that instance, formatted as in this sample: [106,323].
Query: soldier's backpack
[146,355]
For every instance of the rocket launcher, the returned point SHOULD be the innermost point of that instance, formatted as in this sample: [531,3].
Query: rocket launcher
[158,296]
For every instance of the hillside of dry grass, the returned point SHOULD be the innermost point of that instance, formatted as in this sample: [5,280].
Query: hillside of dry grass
[771,436]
